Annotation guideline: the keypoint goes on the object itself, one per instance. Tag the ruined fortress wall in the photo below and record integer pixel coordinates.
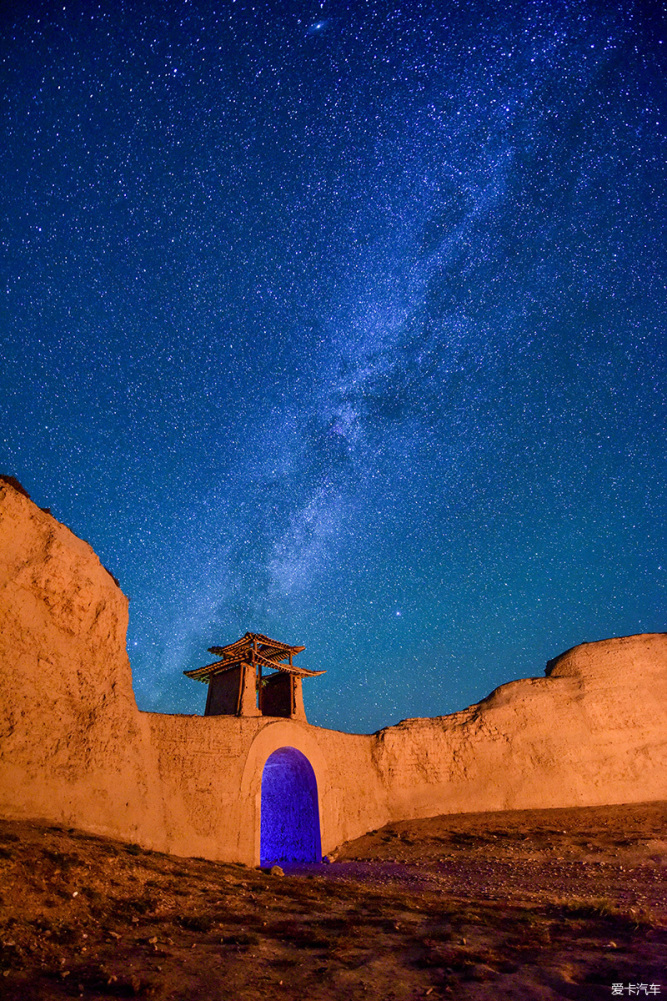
(75, 749)
(73, 746)
(210, 771)
(591, 733)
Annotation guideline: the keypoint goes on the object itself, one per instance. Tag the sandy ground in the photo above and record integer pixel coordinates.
(522, 905)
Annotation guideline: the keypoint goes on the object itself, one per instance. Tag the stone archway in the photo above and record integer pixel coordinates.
(290, 820)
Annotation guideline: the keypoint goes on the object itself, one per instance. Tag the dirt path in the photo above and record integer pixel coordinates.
(617, 852)
(526, 905)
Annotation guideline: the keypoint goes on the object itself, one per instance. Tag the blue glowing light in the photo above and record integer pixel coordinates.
(290, 828)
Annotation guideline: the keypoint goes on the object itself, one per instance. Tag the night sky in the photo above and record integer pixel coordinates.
(344, 323)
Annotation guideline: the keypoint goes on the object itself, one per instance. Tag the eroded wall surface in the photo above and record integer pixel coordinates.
(75, 749)
(593, 732)
(72, 744)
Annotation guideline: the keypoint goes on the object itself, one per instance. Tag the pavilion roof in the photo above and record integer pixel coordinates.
(253, 648)
(272, 649)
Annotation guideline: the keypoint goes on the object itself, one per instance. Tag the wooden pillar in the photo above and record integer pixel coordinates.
(258, 675)
(248, 692)
(298, 708)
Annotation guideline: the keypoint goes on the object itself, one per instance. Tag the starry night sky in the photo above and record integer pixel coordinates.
(343, 322)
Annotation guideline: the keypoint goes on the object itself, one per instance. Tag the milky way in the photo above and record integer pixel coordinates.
(344, 323)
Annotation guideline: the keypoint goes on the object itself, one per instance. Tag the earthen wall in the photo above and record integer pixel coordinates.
(75, 749)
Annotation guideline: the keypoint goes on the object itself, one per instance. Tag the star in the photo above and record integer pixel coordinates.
(344, 321)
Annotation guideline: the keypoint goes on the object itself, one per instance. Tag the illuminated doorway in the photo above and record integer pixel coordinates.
(290, 826)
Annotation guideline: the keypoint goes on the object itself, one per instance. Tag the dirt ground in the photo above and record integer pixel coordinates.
(520, 905)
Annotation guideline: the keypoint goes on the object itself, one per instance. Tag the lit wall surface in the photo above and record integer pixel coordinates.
(290, 830)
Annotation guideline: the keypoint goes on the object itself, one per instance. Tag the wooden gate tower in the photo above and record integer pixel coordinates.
(239, 686)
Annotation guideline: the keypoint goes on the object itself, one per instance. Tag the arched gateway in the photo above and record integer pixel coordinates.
(256, 676)
(290, 818)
